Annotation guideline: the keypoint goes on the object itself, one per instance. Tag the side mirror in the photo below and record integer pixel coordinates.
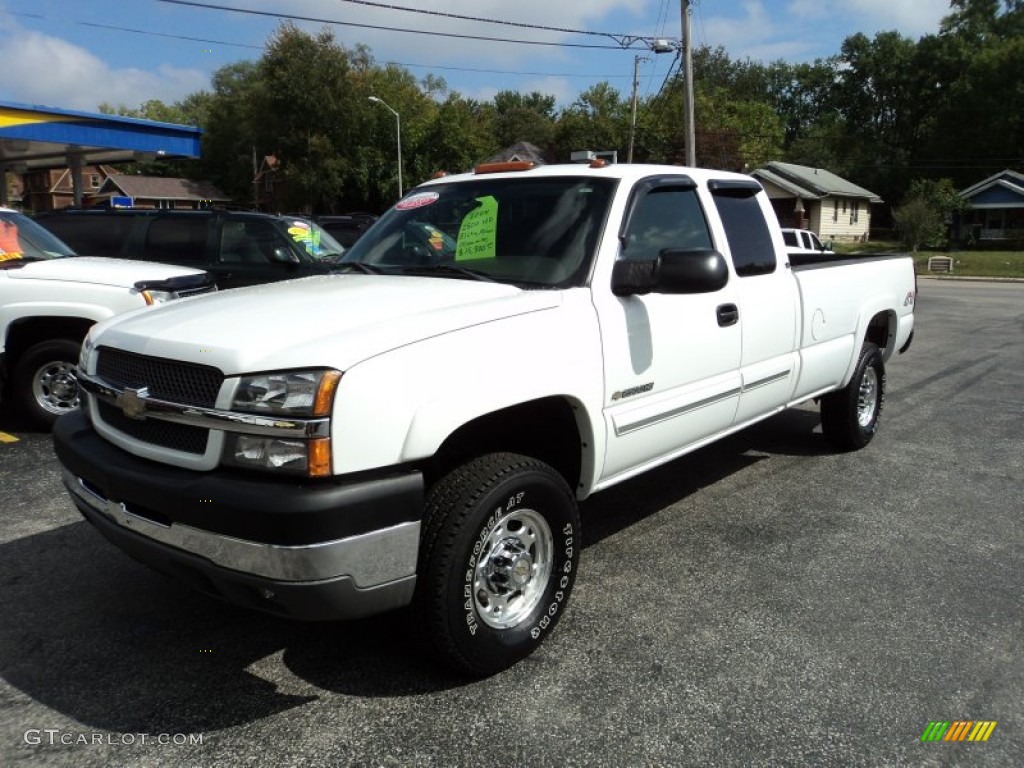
(676, 270)
(284, 256)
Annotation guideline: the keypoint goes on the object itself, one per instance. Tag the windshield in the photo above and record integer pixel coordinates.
(22, 239)
(316, 241)
(539, 231)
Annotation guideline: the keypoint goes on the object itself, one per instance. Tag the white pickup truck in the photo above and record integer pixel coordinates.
(419, 429)
(48, 301)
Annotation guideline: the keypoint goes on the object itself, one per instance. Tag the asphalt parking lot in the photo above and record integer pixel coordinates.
(760, 602)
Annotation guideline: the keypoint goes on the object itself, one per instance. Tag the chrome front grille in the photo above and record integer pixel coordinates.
(170, 380)
(166, 434)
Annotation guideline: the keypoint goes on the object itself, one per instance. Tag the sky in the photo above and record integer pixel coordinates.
(77, 54)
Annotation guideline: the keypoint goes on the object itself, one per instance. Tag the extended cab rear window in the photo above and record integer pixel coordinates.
(750, 241)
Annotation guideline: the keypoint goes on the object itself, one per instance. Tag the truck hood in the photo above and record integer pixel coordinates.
(120, 273)
(323, 321)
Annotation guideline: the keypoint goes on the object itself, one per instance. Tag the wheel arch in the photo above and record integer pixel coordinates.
(550, 429)
(877, 326)
(880, 330)
(26, 332)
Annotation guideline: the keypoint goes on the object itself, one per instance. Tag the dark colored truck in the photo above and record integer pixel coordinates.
(237, 247)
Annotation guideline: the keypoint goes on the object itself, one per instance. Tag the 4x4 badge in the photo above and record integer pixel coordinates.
(132, 402)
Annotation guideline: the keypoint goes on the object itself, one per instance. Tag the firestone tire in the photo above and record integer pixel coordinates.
(43, 382)
(850, 416)
(498, 558)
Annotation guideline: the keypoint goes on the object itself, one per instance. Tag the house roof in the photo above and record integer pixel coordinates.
(811, 183)
(1009, 181)
(521, 150)
(159, 188)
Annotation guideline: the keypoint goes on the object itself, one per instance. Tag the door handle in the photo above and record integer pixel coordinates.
(728, 314)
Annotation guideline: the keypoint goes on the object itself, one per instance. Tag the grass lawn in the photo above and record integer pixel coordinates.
(966, 263)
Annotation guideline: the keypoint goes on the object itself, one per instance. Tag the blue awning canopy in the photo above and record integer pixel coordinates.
(34, 137)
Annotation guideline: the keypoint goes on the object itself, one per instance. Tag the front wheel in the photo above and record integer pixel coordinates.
(849, 416)
(44, 382)
(498, 560)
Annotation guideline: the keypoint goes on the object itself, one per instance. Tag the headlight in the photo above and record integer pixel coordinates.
(157, 297)
(298, 393)
(311, 458)
(288, 395)
(85, 353)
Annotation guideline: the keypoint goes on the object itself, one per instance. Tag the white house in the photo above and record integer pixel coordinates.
(816, 199)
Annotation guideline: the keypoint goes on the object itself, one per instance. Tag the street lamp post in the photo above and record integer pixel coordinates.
(398, 136)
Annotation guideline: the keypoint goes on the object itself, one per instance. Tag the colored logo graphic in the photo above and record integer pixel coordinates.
(958, 730)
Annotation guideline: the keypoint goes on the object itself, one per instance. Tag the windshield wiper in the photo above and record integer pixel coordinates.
(448, 269)
(366, 269)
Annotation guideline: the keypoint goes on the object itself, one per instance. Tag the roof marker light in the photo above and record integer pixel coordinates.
(514, 165)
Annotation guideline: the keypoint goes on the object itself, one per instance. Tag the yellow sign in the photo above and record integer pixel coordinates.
(478, 231)
(12, 116)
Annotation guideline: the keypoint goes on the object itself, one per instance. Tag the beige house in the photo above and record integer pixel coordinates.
(818, 200)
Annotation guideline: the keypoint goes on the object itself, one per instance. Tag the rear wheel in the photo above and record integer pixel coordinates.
(44, 382)
(850, 416)
(498, 560)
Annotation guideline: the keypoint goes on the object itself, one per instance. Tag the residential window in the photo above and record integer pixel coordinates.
(835, 211)
(94, 181)
(854, 211)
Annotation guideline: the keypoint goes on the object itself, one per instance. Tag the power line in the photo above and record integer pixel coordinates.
(210, 41)
(485, 38)
(165, 34)
(523, 25)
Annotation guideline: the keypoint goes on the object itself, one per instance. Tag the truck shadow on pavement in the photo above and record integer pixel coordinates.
(94, 636)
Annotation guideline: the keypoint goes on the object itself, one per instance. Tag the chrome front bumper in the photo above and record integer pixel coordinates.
(369, 559)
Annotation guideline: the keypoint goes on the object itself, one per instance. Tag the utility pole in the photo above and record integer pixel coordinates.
(632, 120)
(659, 45)
(691, 149)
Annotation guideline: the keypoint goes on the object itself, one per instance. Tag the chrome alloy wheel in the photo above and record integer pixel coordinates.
(514, 568)
(867, 398)
(55, 387)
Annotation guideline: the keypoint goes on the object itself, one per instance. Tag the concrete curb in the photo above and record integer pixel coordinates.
(973, 278)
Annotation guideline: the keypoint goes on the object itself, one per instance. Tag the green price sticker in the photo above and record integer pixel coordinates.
(478, 231)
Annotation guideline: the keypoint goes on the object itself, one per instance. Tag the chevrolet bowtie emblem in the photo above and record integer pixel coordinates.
(132, 402)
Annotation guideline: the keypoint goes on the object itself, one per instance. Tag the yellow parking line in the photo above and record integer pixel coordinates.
(5, 438)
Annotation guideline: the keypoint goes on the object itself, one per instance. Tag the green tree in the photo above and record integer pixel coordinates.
(302, 102)
(598, 119)
(457, 137)
(926, 214)
(230, 154)
(917, 222)
(524, 117)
